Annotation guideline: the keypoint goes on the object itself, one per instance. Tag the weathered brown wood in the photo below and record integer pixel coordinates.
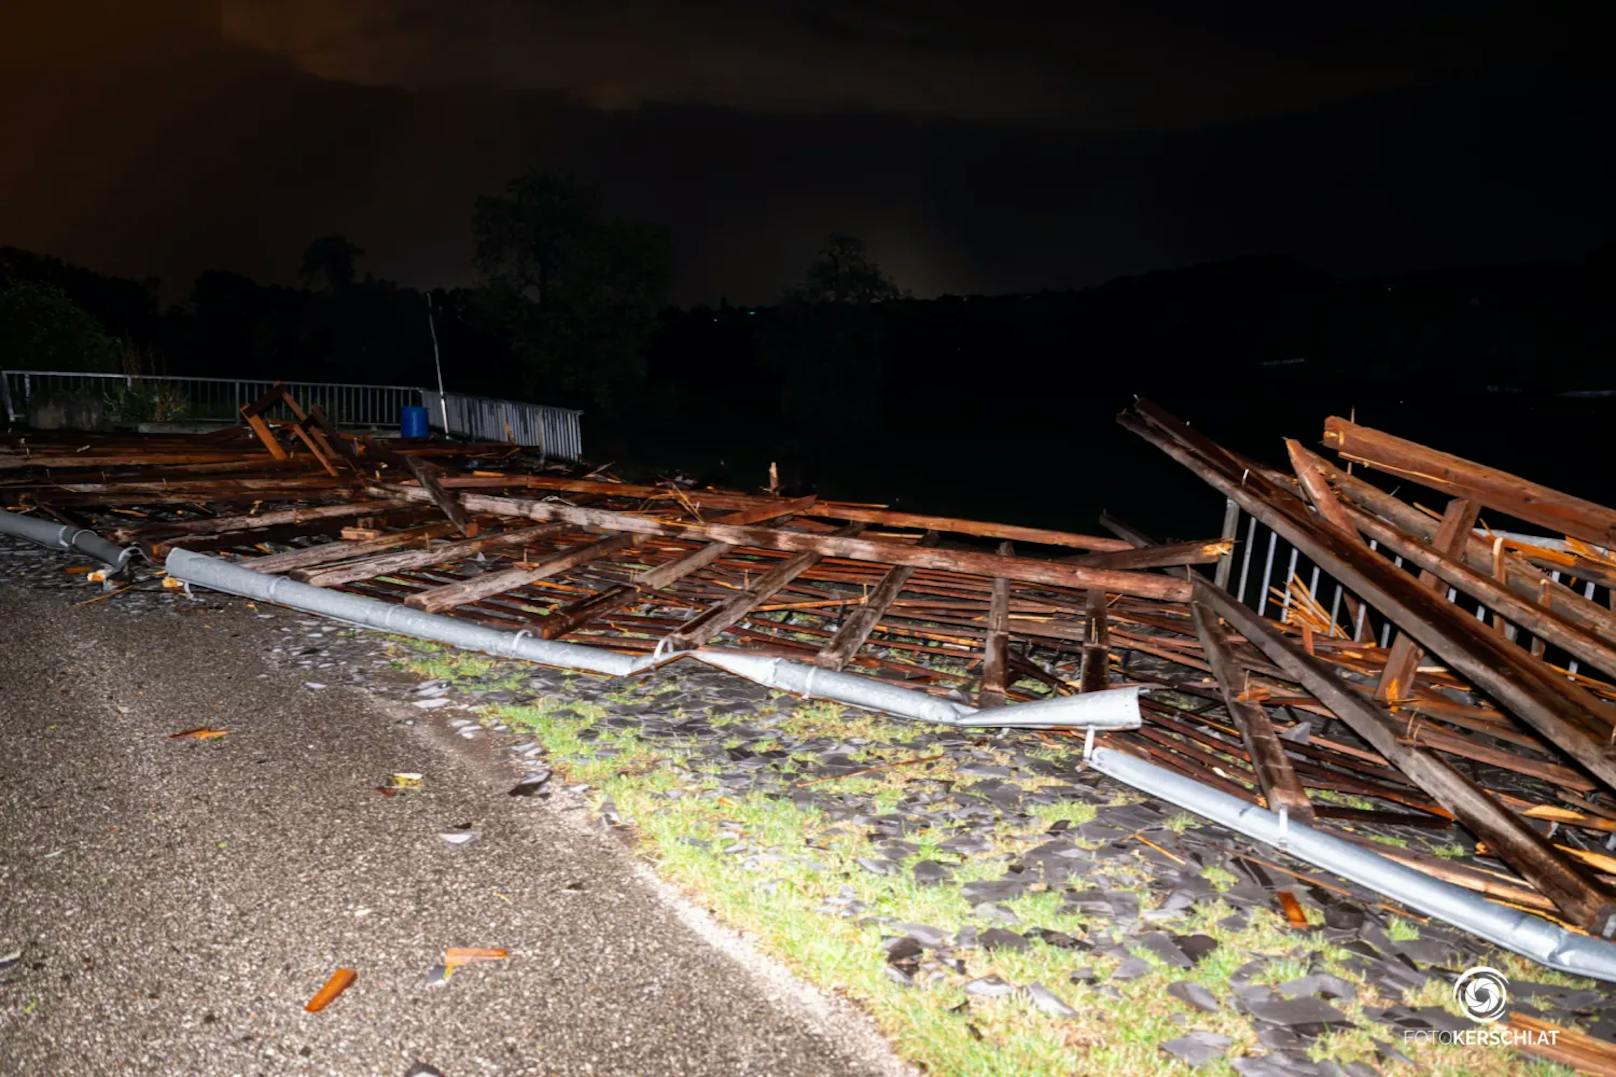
(576, 615)
(1096, 662)
(716, 619)
(1404, 657)
(327, 552)
(1317, 488)
(655, 579)
(861, 620)
(1560, 512)
(1275, 775)
(450, 595)
(1200, 552)
(428, 475)
(968, 562)
(251, 522)
(827, 510)
(996, 647)
(389, 564)
(1582, 898)
(266, 436)
(1564, 713)
(1526, 581)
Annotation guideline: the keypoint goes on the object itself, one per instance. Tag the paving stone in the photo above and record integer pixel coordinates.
(1195, 995)
(989, 987)
(1305, 1016)
(1131, 969)
(1046, 1001)
(1197, 1048)
(997, 938)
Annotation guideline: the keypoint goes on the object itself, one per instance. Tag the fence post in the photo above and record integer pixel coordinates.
(1231, 523)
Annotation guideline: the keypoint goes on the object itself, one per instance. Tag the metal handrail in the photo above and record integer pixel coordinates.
(554, 431)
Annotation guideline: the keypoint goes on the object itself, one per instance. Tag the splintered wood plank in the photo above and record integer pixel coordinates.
(252, 522)
(1561, 513)
(1397, 679)
(995, 649)
(1200, 552)
(858, 625)
(576, 615)
(1583, 899)
(968, 562)
(389, 564)
(1275, 775)
(655, 579)
(451, 595)
(266, 435)
(717, 618)
(428, 475)
(1096, 665)
(327, 552)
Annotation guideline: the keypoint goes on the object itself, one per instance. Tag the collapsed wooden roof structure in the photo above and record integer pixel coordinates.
(1403, 667)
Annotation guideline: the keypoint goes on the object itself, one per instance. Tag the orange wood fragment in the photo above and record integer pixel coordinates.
(1293, 909)
(339, 982)
(455, 956)
(201, 732)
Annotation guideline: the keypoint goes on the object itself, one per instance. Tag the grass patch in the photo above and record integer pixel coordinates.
(787, 874)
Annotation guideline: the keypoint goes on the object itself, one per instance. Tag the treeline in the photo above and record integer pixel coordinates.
(571, 309)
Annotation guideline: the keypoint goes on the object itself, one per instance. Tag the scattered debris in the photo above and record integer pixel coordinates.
(200, 733)
(339, 982)
(1366, 665)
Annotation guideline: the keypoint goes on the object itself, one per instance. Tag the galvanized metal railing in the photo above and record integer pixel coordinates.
(1268, 574)
(555, 432)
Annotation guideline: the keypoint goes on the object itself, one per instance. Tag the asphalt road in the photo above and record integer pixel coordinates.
(176, 902)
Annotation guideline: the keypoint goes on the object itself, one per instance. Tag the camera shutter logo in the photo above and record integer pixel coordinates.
(1482, 993)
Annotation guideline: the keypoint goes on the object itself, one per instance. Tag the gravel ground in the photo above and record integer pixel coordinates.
(175, 902)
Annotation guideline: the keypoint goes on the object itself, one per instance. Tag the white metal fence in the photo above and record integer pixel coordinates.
(1268, 574)
(555, 432)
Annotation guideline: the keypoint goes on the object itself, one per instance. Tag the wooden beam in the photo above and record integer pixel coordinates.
(1561, 513)
(327, 552)
(1567, 715)
(428, 474)
(251, 522)
(996, 647)
(1199, 552)
(1523, 579)
(1582, 898)
(1096, 666)
(1275, 775)
(655, 579)
(827, 510)
(575, 615)
(716, 619)
(709, 623)
(388, 564)
(1404, 657)
(450, 595)
(861, 621)
(968, 562)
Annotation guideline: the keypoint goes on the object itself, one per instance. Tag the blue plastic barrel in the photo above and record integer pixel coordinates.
(412, 422)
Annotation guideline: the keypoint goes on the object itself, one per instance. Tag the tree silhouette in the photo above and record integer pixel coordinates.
(843, 272)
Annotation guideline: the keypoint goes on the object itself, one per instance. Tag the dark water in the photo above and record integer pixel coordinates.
(1060, 462)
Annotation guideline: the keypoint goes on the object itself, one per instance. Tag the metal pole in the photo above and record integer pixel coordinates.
(437, 360)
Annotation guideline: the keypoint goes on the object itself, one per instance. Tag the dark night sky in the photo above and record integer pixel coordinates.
(977, 147)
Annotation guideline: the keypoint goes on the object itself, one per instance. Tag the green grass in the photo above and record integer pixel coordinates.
(793, 861)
